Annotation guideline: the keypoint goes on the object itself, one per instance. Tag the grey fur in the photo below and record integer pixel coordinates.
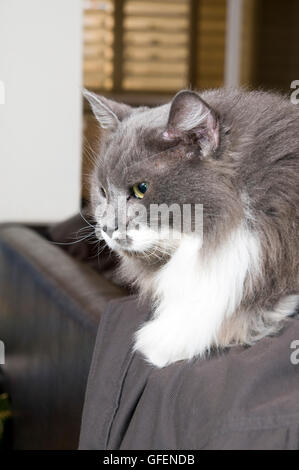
(250, 173)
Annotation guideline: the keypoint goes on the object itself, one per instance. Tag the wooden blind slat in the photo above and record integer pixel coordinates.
(155, 44)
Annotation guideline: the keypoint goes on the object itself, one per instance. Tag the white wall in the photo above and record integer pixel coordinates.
(40, 122)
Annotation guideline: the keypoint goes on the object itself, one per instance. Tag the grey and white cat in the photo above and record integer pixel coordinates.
(237, 153)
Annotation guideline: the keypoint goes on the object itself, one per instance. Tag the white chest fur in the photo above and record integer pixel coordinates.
(194, 294)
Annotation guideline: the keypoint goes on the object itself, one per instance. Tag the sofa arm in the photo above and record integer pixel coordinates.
(50, 306)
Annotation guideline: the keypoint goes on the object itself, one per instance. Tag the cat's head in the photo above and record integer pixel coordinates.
(150, 157)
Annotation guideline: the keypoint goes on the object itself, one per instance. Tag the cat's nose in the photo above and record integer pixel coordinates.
(110, 229)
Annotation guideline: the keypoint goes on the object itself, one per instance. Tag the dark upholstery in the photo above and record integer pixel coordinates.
(50, 306)
(241, 398)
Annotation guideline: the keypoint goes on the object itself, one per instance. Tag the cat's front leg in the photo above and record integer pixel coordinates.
(163, 342)
(195, 295)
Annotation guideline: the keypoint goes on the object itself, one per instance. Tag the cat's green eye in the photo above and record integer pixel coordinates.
(139, 189)
(103, 191)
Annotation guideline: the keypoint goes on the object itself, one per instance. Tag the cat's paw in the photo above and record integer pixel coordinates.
(161, 343)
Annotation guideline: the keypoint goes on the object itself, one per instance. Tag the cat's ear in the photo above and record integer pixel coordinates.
(191, 115)
(108, 113)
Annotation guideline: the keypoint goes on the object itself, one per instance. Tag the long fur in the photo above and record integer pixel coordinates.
(237, 153)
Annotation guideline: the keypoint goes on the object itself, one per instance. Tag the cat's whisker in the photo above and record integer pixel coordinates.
(90, 151)
(88, 223)
(72, 243)
(85, 228)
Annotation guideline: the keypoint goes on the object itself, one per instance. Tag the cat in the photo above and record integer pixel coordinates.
(236, 152)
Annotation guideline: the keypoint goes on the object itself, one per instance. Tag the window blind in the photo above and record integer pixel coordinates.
(98, 39)
(137, 44)
(156, 44)
(211, 43)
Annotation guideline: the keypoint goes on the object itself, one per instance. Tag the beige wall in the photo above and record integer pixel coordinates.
(40, 122)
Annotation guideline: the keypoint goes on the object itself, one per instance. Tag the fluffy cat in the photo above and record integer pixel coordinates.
(236, 153)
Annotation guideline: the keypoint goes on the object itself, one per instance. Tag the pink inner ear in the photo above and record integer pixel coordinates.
(214, 129)
(216, 137)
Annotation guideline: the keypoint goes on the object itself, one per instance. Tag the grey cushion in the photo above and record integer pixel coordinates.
(244, 398)
(50, 306)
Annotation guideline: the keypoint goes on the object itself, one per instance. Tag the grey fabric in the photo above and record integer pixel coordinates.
(50, 306)
(244, 398)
